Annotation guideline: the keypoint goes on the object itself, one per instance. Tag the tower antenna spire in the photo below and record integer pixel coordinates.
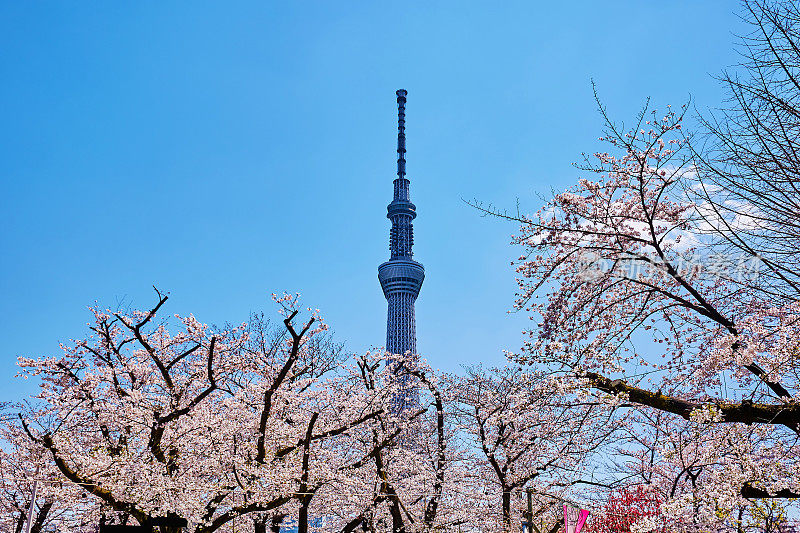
(401, 133)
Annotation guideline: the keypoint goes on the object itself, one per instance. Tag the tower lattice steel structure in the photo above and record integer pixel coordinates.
(401, 277)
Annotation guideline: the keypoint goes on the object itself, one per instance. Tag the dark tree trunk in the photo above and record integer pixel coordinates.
(308, 492)
(506, 509)
(260, 523)
(44, 510)
(397, 518)
(20, 522)
(302, 516)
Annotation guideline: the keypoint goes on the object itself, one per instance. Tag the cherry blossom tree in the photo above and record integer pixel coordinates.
(624, 254)
(59, 505)
(410, 477)
(667, 278)
(529, 432)
(694, 476)
(203, 425)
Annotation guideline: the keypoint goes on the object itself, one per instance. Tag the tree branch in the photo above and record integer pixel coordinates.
(745, 411)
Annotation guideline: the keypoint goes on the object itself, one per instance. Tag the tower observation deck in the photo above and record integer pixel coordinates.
(401, 277)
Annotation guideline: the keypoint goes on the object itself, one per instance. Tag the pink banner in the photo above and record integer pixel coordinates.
(574, 519)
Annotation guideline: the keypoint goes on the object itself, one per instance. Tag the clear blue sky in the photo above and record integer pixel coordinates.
(227, 150)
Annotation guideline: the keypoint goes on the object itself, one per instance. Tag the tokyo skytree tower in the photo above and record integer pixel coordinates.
(401, 277)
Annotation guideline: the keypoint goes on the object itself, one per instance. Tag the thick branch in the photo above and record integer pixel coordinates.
(241, 510)
(749, 491)
(212, 386)
(441, 457)
(85, 483)
(160, 422)
(261, 451)
(137, 332)
(745, 412)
